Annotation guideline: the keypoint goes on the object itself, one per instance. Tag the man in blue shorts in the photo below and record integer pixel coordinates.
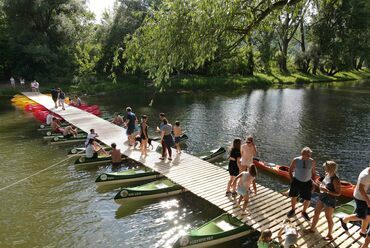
(130, 125)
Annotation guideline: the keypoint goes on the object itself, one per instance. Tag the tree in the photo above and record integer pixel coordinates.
(184, 35)
(43, 35)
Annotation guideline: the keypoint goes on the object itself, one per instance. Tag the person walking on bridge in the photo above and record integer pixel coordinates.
(302, 171)
(54, 95)
(130, 125)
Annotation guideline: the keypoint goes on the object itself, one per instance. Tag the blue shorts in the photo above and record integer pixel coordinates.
(177, 140)
(242, 191)
(362, 210)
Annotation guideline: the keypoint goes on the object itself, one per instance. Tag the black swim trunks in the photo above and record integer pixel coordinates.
(302, 189)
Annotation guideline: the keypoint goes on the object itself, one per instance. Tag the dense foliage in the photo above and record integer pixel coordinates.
(59, 40)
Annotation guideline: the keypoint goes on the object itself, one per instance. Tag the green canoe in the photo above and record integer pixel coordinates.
(219, 230)
(77, 151)
(58, 136)
(140, 173)
(213, 155)
(60, 140)
(44, 127)
(156, 189)
(345, 209)
(101, 159)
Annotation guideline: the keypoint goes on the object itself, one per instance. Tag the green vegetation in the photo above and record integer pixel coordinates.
(194, 44)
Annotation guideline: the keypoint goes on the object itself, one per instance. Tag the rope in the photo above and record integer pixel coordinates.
(35, 174)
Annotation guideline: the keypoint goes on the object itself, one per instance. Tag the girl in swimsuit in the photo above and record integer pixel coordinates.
(144, 135)
(248, 150)
(244, 181)
(234, 164)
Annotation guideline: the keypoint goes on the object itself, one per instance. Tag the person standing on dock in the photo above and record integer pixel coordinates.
(144, 135)
(248, 151)
(61, 97)
(177, 131)
(130, 125)
(362, 199)
(54, 95)
(234, 165)
(302, 171)
(330, 188)
(12, 82)
(159, 129)
(167, 138)
(22, 83)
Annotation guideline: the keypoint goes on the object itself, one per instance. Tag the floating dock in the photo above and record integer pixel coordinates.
(267, 209)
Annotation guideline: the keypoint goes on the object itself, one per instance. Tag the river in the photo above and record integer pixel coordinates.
(61, 207)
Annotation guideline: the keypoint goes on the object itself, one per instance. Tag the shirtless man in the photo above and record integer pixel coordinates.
(116, 155)
(70, 131)
(117, 120)
(55, 126)
(248, 151)
(177, 131)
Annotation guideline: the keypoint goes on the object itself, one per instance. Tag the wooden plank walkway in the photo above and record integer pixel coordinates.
(267, 209)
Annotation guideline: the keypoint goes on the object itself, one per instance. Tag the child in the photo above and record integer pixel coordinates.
(291, 235)
(144, 135)
(265, 240)
(234, 164)
(246, 178)
(177, 132)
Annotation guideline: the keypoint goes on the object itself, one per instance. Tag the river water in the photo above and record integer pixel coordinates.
(62, 207)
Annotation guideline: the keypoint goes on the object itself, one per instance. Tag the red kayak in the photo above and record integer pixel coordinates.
(282, 171)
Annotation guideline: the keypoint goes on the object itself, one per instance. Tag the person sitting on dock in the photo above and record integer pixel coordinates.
(70, 131)
(291, 234)
(246, 179)
(265, 240)
(117, 120)
(330, 188)
(76, 102)
(362, 199)
(302, 170)
(130, 125)
(248, 151)
(234, 164)
(55, 126)
(116, 155)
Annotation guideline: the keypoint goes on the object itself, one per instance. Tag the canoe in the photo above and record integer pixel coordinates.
(282, 171)
(46, 128)
(213, 155)
(219, 230)
(137, 174)
(101, 159)
(345, 209)
(152, 190)
(60, 140)
(58, 136)
(77, 151)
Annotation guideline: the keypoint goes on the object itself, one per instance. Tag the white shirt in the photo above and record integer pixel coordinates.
(36, 85)
(363, 178)
(89, 153)
(49, 119)
(89, 137)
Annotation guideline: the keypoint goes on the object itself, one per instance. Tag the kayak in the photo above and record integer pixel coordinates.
(345, 209)
(137, 174)
(213, 155)
(156, 189)
(219, 230)
(282, 171)
(58, 136)
(101, 159)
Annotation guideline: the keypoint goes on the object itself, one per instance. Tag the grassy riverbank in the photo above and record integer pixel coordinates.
(194, 82)
(260, 80)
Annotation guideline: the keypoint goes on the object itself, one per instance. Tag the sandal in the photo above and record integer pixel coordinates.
(169, 158)
(228, 193)
(328, 238)
(161, 158)
(234, 194)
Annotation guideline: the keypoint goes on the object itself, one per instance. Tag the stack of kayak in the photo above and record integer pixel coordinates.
(282, 171)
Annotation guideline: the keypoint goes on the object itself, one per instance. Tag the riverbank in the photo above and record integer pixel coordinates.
(195, 82)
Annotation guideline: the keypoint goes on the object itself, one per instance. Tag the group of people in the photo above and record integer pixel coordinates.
(304, 180)
(34, 84)
(135, 131)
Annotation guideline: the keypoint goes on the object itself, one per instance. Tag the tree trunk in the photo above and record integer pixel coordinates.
(303, 42)
(360, 63)
(284, 56)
